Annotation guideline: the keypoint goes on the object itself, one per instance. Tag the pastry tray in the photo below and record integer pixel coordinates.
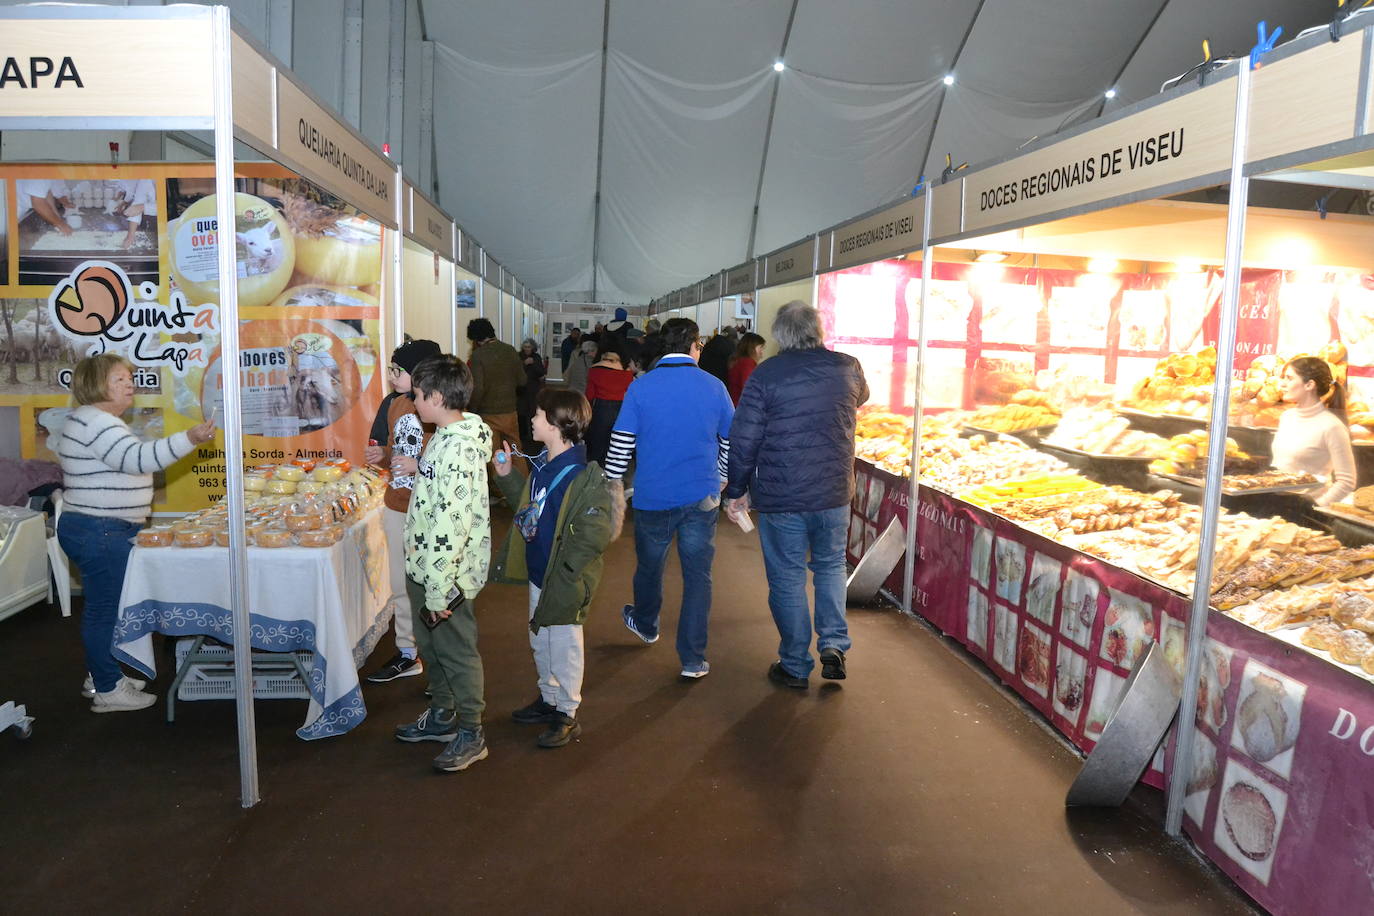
(1352, 518)
(1196, 421)
(1095, 456)
(1034, 431)
(1251, 491)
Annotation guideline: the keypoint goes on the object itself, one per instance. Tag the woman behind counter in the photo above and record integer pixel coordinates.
(107, 492)
(1312, 435)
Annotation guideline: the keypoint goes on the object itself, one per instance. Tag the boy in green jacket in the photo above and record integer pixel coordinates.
(562, 525)
(448, 550)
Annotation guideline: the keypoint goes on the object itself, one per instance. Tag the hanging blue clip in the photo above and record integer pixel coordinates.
(1264, 45)
(920, 186)
(1321, 203)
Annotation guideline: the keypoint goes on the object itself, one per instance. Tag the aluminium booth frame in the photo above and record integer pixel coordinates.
(201, 65)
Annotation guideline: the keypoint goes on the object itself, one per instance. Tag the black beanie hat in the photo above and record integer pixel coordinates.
(409, 354)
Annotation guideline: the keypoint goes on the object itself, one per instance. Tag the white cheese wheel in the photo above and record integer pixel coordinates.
(266, 251)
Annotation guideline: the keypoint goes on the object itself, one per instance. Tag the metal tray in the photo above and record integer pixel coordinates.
(1253, 491)
(1033, 432)
(1095, 456)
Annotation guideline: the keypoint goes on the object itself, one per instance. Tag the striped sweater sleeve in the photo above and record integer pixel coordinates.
(723, 457)
(619, 454)
(107, 439)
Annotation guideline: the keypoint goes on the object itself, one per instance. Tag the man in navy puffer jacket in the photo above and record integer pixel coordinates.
(792, 458)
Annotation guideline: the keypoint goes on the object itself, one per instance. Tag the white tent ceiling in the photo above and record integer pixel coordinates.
(694, 127)
(634, 146)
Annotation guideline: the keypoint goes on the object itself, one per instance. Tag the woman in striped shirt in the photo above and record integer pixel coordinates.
(107, 482)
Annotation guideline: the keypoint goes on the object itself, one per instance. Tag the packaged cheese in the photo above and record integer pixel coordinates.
(194, 537)
(155, 537)
(273, 537)
(289, 472)
(281, 487)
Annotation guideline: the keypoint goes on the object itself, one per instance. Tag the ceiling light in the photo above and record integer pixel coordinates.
(1101, 265)
(779, 66)
(991, 257)
(1110, 93)
(949, 79)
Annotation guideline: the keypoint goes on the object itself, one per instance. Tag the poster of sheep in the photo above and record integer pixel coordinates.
(34, 355)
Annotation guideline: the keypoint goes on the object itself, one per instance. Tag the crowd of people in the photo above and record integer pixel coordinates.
(774, 436)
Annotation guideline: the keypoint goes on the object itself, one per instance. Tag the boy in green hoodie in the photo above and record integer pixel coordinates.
(448, 550)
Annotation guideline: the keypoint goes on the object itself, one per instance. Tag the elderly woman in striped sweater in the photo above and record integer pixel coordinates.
(107, 481)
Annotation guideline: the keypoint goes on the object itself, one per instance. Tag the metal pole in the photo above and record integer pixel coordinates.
(1216, 457)
(353, 62)
(398, 311)
(914, 482)
(225, 215)
(396, 78)
(453, 295)
(425, 155)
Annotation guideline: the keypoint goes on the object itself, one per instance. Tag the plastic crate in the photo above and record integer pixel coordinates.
(274, 676)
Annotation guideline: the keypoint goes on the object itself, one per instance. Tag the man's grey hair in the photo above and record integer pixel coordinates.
(797, 327)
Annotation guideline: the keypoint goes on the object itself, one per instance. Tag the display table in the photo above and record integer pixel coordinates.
(1280, 795)
(331, 601)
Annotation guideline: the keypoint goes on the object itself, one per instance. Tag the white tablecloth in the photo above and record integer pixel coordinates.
(331, 601)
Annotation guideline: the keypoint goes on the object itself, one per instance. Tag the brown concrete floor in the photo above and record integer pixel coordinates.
(914, 787)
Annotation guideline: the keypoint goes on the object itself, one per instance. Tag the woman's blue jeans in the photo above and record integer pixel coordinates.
(100, 549)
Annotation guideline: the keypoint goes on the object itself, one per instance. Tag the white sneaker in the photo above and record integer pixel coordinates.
(122, 699)
(88, 687)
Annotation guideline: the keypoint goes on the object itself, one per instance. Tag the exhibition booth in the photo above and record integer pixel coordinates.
(272, 527)
(1082, 421)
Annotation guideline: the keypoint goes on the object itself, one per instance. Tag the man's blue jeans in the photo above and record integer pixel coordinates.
(788, 538)
(100, 549)
(696, 549)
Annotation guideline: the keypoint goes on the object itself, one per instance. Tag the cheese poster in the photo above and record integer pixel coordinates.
(124, 259)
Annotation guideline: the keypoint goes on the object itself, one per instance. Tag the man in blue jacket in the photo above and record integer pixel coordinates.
(675, 422)
(792, 458)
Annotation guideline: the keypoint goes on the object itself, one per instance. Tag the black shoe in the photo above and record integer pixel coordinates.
(562, 729)
(466, 748)
(400, 666)
(433, 725)
(832, 664)
(779, 675)
(535, 713)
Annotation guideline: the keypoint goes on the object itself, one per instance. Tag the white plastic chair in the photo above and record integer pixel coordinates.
(58, 564)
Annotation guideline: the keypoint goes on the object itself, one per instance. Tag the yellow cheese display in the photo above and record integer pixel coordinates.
(265, 246)
(340, 252)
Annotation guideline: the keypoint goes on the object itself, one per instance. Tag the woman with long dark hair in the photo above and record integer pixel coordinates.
(747, 357)
(1312, 435)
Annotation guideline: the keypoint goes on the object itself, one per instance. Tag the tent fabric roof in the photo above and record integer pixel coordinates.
(623, 147)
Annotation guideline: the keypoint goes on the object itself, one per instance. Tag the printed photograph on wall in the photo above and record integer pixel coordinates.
(466, 294)
(63, 222)
(5, 278)
(33, 353)
(978, 619)
(1249, 819)
(1203, 778)
(1079, 607)
(1268, 717)
(1070, 683)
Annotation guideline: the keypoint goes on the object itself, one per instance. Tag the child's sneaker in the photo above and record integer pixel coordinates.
(124, 698)
(88, 686)
(468, 747)
(400, 666)
(434, 724)
(562, 729)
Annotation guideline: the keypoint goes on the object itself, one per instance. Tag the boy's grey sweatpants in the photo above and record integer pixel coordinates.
(559, 659)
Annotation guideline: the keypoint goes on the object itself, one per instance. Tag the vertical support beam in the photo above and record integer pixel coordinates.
(281, 22)
(397, 263)
(425, 154)
(249, 793)
(768, 133)
(1216, 458)
(918, 401)
(396, 78)
(600, 141)
(353, 62)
